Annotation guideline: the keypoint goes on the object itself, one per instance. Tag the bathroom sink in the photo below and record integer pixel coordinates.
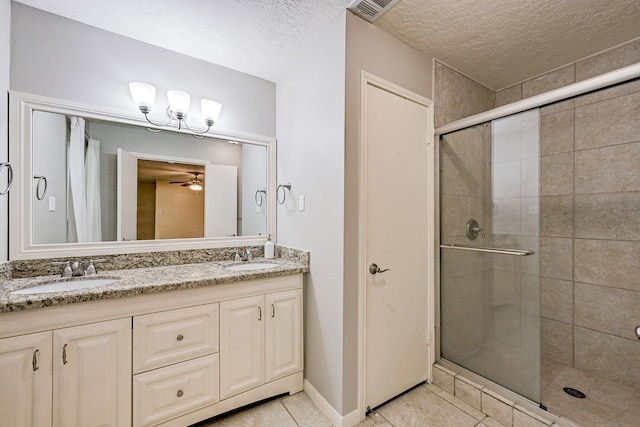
(252, 266)
(62, 286)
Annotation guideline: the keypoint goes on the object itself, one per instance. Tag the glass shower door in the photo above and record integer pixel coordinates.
(489, 278)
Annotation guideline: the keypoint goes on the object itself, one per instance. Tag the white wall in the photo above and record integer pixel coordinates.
(5, 25)
(50, 161)
(61, 58)
(310, 131)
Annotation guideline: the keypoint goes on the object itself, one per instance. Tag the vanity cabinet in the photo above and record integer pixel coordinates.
(166, 359)
(92, 375)
(87, 367)
(260, 340)
(25, 369)
(175, 359)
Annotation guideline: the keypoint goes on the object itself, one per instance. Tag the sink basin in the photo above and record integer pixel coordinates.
(252, 266)
(62, 286)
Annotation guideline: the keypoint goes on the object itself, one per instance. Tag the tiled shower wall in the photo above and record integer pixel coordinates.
(589, 228)
(589, 223)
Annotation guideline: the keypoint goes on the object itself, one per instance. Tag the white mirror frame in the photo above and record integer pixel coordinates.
(21, 107)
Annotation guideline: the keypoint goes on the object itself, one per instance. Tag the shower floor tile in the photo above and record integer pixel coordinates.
(607, 403)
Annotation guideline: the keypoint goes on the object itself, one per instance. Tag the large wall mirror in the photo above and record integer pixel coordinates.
(96, 182)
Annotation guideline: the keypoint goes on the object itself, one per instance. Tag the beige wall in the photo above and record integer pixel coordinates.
(179, 212)
(373, 50)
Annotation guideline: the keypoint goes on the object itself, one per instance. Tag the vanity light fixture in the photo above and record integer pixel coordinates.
(144, 96)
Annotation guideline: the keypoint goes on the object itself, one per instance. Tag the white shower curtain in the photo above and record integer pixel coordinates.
(92, 181)
(77, 199)
(84, 185)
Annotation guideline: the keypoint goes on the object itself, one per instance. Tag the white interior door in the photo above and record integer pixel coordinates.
(220, 200)
(396, 169)
(127, 196)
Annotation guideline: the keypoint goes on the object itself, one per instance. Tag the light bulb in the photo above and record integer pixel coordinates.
(143, 94)
(210, 111)
(179, 103)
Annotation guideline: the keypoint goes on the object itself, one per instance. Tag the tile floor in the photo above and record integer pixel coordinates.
(607, 403)
(424, 406)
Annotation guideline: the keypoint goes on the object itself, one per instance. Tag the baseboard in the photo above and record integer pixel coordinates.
(350, 420)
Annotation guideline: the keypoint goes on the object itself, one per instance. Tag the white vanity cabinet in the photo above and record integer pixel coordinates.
(260, 340)
(87, 367)
(175, 359)
(25, 377)
(167, 359)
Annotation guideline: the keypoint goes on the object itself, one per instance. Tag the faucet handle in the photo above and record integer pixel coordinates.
(91, 268)
(66, 270)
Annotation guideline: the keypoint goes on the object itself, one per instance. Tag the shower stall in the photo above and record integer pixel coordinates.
(539, 242)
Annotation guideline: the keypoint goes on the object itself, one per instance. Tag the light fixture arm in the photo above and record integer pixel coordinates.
(146, 116)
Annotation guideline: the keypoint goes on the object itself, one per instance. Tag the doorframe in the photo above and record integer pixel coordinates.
(365, 80)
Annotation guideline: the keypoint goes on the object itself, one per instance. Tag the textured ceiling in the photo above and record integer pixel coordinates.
(497, 42)
(502, 42)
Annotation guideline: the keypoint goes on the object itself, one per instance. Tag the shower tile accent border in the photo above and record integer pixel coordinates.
(19, 269)
(499, 409)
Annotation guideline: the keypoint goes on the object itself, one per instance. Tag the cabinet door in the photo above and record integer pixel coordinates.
(241, 345)
(92, 375)
(25, 373)
(283, 334)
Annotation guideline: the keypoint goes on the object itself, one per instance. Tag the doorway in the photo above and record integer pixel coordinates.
(396, 206)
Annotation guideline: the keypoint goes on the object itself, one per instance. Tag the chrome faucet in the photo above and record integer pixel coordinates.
(76, 269)
(247, 256)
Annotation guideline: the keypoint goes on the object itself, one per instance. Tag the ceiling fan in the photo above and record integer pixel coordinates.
(194, 184)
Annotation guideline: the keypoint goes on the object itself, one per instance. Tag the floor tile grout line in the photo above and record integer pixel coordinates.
(288, 412)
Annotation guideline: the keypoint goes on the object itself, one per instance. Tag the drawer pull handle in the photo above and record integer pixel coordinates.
(180, 393)
(180, 337)
(259, 313)
(64, 354)
(34, 362)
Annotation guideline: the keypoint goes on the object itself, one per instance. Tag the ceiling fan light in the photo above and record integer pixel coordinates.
(210, 110)
(179, 102)
(196, 186)
(143, 95)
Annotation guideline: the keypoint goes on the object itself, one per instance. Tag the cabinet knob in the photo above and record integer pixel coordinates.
(180, 393)
(180, 337)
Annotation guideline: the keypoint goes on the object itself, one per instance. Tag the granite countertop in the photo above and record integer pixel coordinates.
(140, 281)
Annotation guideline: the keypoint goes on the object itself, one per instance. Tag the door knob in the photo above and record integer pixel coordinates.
(373, 269)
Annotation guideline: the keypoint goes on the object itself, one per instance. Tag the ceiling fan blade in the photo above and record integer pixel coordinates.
(178, 182)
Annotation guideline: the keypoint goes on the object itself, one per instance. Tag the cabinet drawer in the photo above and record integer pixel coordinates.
(166, 393)
(168, 337)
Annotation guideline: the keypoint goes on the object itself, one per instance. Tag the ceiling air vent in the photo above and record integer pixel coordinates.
(370, 10)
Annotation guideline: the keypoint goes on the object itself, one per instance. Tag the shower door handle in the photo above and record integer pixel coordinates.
(374, 269)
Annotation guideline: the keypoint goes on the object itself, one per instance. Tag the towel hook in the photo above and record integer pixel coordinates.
(9, 177)
(259, 197)
(39, 191)
(284, 187)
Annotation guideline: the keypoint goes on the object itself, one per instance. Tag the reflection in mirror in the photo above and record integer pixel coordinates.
(110, 182)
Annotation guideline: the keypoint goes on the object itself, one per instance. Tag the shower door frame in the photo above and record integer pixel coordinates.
(599, 82)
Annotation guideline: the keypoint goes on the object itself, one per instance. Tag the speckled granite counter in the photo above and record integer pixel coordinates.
(140, 281)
